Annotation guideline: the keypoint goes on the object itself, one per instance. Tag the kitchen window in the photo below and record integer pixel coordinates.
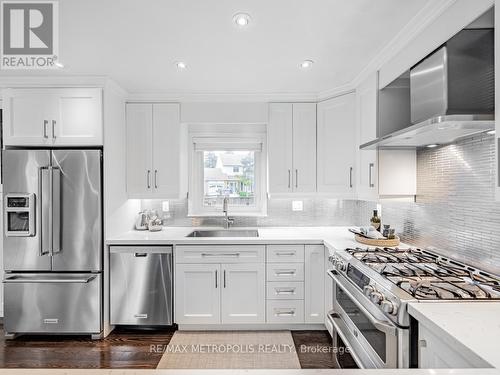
(227, 166)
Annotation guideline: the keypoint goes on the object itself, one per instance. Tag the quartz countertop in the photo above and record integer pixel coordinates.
(332, 237)
(475, 325)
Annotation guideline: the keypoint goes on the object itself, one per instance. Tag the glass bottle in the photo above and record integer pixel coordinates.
(375, 220)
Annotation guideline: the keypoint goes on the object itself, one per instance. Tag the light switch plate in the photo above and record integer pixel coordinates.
(165, 206)
(297, 206)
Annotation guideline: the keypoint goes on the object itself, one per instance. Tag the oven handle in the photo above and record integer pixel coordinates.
(381, 326)
(333, 317)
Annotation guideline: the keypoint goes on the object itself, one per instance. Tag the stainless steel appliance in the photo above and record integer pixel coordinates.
(141, 280)
(371, 291)
(53, 241)
(452, 93)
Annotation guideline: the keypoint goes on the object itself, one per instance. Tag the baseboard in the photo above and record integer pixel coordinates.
(251, 327)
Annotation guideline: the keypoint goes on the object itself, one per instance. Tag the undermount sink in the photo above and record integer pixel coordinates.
(224, 233)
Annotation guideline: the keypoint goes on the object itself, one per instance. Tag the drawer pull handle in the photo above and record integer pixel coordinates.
(285, 273)
(141, 316)
(140, 255)
(220, 254)
(51, 321)
(290, 254)
(285, 291)
(285, 312)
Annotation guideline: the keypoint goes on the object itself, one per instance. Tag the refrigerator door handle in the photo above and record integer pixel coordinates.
(51, 212)
(56, 210)
(20, 279)
(44, 194)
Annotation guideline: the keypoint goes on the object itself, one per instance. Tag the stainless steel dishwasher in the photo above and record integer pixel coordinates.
(141, 285)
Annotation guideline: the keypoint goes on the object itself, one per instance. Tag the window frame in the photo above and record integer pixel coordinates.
(221, 139)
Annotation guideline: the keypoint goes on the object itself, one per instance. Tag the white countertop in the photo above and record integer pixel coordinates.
(332, 237)
(475, 325)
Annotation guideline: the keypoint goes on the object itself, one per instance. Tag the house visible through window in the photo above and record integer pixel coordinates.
(229, 174)
(227, 166)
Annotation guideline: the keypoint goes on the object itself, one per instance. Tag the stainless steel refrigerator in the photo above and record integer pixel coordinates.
(53, 242)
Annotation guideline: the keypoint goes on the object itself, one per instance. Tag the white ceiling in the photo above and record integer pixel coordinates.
(137, 42)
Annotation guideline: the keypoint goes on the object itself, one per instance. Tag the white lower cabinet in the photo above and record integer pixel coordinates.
(243, 293)
(220, 293)
(197, 294)
(315, 284)
(233, 284)
(435, 352)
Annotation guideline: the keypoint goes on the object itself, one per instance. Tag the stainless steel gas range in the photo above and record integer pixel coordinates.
(372, 288)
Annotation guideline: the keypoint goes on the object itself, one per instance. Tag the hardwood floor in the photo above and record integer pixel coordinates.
(125, 349)
(314, 349)
(121, 349)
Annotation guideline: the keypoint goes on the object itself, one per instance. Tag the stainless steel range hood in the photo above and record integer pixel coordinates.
(452, 94)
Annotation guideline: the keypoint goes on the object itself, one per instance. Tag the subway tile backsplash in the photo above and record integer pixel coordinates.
(455, 209)
(316, 212)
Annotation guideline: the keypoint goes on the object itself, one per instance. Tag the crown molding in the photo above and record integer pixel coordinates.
(222, 97)
(53, 81)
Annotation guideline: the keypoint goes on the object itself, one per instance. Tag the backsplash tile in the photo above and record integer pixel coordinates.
(316, 212)
(455, 209)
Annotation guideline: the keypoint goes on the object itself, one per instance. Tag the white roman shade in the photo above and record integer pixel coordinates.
(227, 144)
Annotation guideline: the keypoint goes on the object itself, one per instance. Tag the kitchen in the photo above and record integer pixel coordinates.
(198, 214)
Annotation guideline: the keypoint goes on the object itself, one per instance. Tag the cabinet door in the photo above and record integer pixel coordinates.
(197, 294)
(314, 284)
(337, 145)
(139, 154)
(279, 138)
(366, 110)
(304, 148)
(77, 118)
(436, 352)
(166, 150)
(243, 293)
(27, 117)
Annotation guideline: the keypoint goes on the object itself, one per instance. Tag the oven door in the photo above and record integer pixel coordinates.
(374, 341)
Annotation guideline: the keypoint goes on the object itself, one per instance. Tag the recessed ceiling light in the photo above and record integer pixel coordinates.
(180, 65)
(59, 64)
(432, 146)
(241, 19)
(491, 132)
(306, 64)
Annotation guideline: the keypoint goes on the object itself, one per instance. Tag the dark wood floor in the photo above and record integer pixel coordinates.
(125, 349)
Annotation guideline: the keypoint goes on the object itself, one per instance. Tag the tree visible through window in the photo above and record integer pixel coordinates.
(229, 174)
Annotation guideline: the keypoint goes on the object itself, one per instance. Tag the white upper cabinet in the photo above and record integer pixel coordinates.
(304, 147)
(292, 148)
(337, 146)
(279, 140)
(139, 154)
(154, 150)
(366, 117)
(53, 117)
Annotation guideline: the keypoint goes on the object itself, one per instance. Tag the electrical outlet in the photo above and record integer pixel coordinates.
(165, 206)
(297, 206)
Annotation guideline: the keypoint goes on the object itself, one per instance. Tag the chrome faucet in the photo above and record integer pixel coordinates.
(227, 220)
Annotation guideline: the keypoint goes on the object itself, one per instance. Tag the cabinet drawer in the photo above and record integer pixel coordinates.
(220, 254)
(34, 303)
(287, 290)
(285, 272)
(285, 253)
(289, 311)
